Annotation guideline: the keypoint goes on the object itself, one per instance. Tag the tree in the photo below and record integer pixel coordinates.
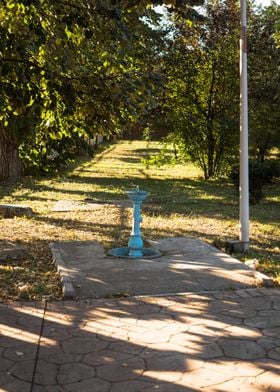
(202, 103)
(264, 81)
(69, 68)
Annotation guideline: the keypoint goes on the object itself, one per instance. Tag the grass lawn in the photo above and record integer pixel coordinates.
(181, 203)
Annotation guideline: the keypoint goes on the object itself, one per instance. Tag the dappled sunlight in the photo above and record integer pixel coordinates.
(176, 342)
(180, 203)
(21, 335)
(214, 341)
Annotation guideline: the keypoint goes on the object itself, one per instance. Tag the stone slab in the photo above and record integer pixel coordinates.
(70, 205)
(11, 210)
(87, 205)
(9, 250)
(186, 265)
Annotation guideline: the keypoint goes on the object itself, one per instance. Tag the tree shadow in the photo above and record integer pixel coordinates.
(217, 342)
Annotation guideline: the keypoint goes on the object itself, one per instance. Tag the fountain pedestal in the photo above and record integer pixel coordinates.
(135, 248)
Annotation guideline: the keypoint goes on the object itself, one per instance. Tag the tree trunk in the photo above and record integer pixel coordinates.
(10, 167)
(210, 152)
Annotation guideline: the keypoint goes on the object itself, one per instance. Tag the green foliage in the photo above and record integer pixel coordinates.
(264, 81)
(71, 69)
(201, 106)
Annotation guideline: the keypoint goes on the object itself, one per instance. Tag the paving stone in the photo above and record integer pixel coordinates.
(208, 351)
(243, 294)
(163, 376)
(83, 346)
(204, 378)
(59, 357)
(240, 313)
(20, 353)
(5, 364)
(22, 370)
(133, 386)
(228, 320)
(17, 386)
(263, 322)
(147, 309)
(5, 378)
(242, 349)
(9, 341)
(276, 304)
(269, 292)
(274, 353)
(234, 368)
(74, 372)
(197, 347)
(121, 371)
(256, 303)
(273, 332)
(173, 362)
(89, 385)
(106, 357)
(169, 387)
(158, 321)
(46, 373)
(268, 342)
(254, 292)
(125, 347)
(158, 349)
(148, 337)
(269, 364)
(47, 388)
(204, 334)
(57, 333)
(270, 313)
(242, 332)
(237, 384)
(268, 381)
(174, 328)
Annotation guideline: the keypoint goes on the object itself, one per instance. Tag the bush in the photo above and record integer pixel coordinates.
(260, 173)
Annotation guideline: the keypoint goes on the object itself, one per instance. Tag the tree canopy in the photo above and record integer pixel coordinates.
(75, 68)
(200, 109)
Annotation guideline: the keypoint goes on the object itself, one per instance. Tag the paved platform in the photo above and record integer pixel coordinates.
(225, 341)
(186, 265)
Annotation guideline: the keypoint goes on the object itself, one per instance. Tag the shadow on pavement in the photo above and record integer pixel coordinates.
(218, 342)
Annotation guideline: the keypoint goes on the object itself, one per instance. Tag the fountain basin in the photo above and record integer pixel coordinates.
(125, 253)
(137, 195)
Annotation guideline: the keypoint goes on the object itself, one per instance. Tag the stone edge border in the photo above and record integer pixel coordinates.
(264, 280)
(68, 290)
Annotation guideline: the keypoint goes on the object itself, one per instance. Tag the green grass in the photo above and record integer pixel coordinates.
(181, 202)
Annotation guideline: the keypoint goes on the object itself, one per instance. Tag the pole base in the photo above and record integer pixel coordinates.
(237, 246)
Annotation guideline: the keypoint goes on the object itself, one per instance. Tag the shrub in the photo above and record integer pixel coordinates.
(260, 173)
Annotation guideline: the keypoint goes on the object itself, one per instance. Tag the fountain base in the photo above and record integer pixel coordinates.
(125, 253)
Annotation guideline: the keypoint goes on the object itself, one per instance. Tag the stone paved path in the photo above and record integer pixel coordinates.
(223, 341)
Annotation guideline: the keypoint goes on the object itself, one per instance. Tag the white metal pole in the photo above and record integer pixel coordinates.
(244, 161)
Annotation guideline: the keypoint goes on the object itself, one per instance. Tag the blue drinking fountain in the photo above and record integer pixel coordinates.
(135, 248)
